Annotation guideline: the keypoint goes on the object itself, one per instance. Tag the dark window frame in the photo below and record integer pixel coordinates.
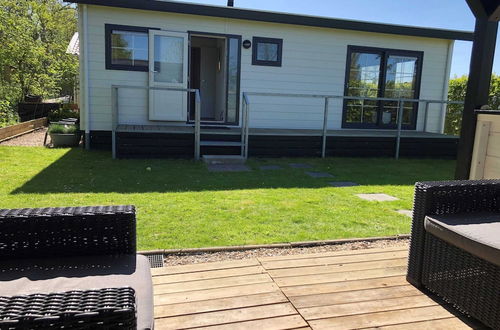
(385, 53)
(255, 43)
(109, 28)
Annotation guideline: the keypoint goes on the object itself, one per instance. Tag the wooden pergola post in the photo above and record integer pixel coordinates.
(487, 13)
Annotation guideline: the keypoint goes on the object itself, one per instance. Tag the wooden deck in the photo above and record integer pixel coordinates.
(337, 290)
(277, 132)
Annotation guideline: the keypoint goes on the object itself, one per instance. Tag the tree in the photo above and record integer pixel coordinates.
(457, 91)
(34, 35)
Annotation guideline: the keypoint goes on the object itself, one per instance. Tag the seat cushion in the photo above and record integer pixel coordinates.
(30, 276)
(476, 233)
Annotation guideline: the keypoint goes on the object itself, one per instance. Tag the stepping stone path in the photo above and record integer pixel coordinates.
(270, 167)
(299, 165)
(408, 213)
(319, 175)
(343, 184)
(377, 197)
(228, 168)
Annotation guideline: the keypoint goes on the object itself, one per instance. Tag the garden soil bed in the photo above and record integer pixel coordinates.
(195, 258)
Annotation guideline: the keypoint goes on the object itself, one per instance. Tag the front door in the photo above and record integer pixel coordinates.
(168, 67)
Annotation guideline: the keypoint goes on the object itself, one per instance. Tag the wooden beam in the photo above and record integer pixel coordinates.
(477, 8)
(483, 52)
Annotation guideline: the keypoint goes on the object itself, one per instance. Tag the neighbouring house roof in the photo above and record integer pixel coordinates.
(74, 45)
(277, 17)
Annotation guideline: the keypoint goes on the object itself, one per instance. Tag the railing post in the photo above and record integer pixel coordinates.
(325, 129)
(114, 119)
(247, 129)
(243, 127)
(197, 119)
(400, 125)
(426, 115)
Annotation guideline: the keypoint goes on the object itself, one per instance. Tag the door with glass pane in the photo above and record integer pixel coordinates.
(375, 72)
(168, 66)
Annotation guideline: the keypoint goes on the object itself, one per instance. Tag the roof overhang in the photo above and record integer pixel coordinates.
(284, 18)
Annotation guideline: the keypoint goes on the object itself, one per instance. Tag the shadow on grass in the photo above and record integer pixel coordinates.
(80, 171)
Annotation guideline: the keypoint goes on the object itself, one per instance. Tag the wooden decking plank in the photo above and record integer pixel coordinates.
(340, 277)
(363, 307)
(321, 288)
(235, 291)
(345, 297)
(211, 274)
(220, 304)
(205, 267)
(316, 270)
(332, 254)
(291, 322)
(380, 319)
(224, 317)
(451, 323)
(268, 265)
(211, 283)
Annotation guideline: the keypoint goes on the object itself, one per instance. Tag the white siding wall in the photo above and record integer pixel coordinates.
(314, 61)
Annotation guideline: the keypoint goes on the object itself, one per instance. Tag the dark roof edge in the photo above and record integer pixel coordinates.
(285, 18)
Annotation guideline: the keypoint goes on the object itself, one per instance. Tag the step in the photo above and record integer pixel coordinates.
(223, 159)
(220, 144)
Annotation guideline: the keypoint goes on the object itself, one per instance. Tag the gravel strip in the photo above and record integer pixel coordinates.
(186, 259)
(33, 139)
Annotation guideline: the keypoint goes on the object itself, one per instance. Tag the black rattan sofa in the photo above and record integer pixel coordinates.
(455, 245)
(73, 268)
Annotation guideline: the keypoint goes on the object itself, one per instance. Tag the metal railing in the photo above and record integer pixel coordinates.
(399, 116)
(115, 113)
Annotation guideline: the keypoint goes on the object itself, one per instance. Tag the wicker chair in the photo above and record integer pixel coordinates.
(73, 268)
(455, 245)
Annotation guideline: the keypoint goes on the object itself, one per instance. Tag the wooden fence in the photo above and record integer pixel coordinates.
(22, 128)
(486, 156)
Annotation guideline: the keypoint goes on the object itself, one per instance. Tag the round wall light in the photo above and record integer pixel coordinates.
(247, 44)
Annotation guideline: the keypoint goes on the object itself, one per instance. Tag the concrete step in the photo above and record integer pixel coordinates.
(220, 144)
(223, 159)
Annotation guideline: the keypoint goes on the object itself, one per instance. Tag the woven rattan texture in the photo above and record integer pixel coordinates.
(67, 232)
(468, 282)
(103, 309)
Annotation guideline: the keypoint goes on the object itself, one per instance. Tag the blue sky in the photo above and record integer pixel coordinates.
(445, 14)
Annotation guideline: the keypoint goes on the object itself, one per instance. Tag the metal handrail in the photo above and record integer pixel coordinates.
(327, 97)
(115, 112)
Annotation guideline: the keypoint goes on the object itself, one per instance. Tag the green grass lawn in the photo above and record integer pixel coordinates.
(180, 204)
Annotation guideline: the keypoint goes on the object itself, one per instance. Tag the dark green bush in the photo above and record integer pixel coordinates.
(63, 112)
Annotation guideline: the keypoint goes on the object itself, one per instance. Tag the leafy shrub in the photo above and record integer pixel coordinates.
(8, 115)
(63, 129)
(457, 91)
(65, 111)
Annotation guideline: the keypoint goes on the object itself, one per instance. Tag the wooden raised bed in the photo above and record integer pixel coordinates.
(22, 128)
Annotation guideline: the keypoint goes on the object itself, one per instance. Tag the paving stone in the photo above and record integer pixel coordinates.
(341, 184)
(299, 165)
(377, 197)
(270, 167)
(228, 168)
(319, 175)
(408, 213)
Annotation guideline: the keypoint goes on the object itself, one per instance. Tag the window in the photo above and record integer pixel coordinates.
(267, 51)
(375, 72)
(127, 48)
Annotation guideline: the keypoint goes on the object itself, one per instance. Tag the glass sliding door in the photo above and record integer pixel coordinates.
(233, 79)
(374, 72)
(400, 82)
(364, 78)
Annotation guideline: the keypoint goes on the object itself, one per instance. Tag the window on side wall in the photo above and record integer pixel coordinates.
(267, 51)
(127, 48)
